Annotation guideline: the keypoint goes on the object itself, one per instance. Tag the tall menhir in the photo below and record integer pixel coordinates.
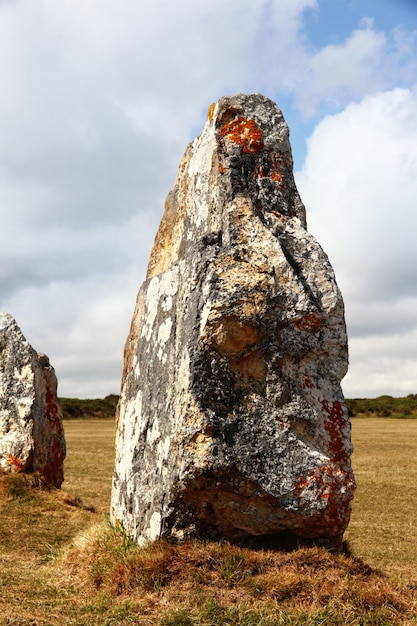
(232, 422)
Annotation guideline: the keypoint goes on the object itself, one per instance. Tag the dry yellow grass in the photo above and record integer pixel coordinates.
(383, 527)
(212, 583)
(36, 525)
(62, 563)
(90, 461)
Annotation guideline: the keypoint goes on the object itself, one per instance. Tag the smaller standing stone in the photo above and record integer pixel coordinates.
(31, 431)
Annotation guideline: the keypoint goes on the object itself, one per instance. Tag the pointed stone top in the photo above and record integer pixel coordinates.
(255, 124)
(11, 331)
(243, 153)
(5, 319)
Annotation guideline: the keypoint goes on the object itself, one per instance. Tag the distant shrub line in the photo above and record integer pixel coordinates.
(100, 408)
(384, 406)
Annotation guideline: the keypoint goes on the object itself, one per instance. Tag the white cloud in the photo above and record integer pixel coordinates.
(368, 61)
(360, 186)
(383, 365)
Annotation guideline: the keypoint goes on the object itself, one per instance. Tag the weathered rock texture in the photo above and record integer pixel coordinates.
(232, 423)
(31, 432)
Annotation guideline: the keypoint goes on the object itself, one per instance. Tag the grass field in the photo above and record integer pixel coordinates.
(62, 563)
(383, 527)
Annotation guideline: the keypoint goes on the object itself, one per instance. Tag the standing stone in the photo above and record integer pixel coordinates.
(31, 432)
(231, 421)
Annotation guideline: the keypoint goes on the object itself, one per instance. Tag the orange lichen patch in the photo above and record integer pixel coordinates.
(327, 482)
(310, 323)
(337, 511)
(279, 216)
(52, 471)
(277, 176)
(210, 112)
(244, 132)
(307, 383)
(299, 486)
(52, 412)
(222, 168)
(277, 165)
(316, 480)
(259, 172)
(334, 423)
(13, 463)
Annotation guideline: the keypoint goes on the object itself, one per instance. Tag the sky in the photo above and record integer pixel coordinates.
(98, 101)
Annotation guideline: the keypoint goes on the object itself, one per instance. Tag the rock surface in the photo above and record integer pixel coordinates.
(232, 422)
(31, 432)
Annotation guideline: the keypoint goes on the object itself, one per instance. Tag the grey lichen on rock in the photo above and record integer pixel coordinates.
(31, 431)
(231, 420)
